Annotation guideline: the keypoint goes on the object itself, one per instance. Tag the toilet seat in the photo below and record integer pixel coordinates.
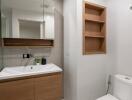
(107, 97)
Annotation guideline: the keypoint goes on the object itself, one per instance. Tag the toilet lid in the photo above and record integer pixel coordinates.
(108, 97)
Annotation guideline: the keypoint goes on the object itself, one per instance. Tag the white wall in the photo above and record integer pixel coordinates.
(120, 16)
(91, 68)
(118, 58)
(70, 55)
(85, 76)
(124, 39)
(111, 36)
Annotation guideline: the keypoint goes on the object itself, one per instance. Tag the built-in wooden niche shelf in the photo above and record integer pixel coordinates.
(15, 42)
(94, 29)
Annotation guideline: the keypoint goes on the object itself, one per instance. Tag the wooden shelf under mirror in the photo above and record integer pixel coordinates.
(94, 29)
(14, 42)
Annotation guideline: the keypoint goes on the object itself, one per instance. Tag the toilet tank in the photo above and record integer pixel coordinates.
(122, 87)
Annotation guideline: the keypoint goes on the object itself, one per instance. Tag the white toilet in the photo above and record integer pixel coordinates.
(122, 89)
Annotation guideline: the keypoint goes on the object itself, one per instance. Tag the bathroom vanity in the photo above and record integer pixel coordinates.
(42, 82)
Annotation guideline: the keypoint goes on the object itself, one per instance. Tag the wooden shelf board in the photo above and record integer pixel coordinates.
(94, 34)
(93, 17)
(14, 42)
(28, 46)
(94, 20)
(93, 6)
(95, 52)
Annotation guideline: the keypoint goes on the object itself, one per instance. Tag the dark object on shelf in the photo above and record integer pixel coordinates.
(44, 61)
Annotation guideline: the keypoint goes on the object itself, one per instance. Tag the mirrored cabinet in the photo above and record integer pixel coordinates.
(28, 22)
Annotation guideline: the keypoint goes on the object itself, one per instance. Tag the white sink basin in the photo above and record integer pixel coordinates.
(32, 68)
(20, 71)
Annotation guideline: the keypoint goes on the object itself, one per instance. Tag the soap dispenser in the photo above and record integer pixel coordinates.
(44, 61)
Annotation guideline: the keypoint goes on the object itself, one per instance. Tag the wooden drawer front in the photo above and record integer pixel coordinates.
(48, 87)
(17, 90)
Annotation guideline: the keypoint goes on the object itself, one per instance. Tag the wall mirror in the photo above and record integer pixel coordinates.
(28, 19)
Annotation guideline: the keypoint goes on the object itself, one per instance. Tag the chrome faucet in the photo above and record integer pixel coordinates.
(1, 68)
(29, 59)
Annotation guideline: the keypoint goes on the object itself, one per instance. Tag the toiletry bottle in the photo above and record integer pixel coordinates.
(44, 61)
(37, 61)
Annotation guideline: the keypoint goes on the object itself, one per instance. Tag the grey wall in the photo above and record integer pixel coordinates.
(13, 56)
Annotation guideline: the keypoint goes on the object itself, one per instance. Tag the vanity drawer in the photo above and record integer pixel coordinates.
(49, 87)
(17, 90)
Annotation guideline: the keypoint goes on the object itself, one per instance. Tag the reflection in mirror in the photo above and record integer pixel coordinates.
(29, 29)
(28, 19)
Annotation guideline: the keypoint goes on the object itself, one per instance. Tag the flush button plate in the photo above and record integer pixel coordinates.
(130, 7)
